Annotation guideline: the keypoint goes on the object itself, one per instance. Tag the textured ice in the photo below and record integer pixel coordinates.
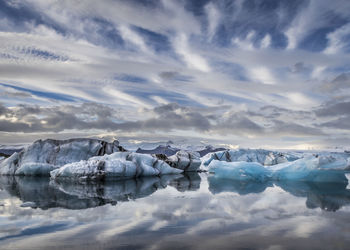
(187, 161)
(117, 165)
(264, 157)
(166, 150)
(244, 171)
(310, 168)
(41, 157)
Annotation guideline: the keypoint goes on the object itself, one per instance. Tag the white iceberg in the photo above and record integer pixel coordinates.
(41, 157)
(118, 165)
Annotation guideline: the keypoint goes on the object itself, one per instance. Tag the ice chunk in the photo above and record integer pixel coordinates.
(184, 160)
(264, 157)
(37, 169)
(334, 161)
(166, 150)
(9, 165)
(117, 165)
(310, 168)
(49, 154)
(243, 171)
(29, 204)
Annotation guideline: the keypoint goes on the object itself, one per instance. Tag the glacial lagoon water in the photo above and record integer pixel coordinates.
(191, 211)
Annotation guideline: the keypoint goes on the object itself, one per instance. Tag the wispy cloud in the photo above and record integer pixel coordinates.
(133, 56)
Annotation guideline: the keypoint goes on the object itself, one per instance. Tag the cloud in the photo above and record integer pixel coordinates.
(192, 59)
(334, 109)
(268, 68)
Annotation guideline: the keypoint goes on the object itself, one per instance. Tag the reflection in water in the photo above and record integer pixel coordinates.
(189, 181)
(327, 196)
(184, 211)
(42, 193)
(218, 185)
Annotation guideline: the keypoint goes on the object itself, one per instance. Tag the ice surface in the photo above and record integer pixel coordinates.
(117, 165)
(166, 150)
(264, 157)
(244, 171)
(187, 161)
(41, 157)
(171, 150)
(8, 150)
(310, 168)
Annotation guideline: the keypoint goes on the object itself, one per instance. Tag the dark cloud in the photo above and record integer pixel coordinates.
(339, 83)
(340, 123)
(294, 129)
(300, 67)
(3, 109)
(239, 125)
(173, 116)
(175, 76)
(15, 94)
(334, 109)
(96, 116)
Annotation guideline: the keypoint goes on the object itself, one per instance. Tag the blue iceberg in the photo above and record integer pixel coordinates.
(310, 168)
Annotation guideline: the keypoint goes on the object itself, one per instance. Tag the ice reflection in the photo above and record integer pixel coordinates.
(41, 192)
(327, 196)
(183, 211)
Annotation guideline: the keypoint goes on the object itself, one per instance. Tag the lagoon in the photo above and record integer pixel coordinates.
(186, 211)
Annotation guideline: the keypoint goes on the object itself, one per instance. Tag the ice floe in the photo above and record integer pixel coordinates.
(309, 168)
(118, 165)
(43, 156)
(262, 156)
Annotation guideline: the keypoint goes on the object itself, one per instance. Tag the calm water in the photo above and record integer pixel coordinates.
(196, 211)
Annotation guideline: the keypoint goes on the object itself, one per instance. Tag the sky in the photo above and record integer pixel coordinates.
(248, 73)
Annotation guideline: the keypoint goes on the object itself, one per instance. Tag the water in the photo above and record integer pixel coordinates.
(196, 211)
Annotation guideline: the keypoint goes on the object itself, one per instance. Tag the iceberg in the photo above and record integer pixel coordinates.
(209, 149)
(310, 168)
(264, 157)
(119, 165)
(185, 160)
(242, 171)
(43, 156)
(166, 150)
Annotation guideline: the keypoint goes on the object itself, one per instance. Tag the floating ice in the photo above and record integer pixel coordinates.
(244, 171)
(41, 157)
(187, 161)
(264, 157)
(309, 168)
(117, 165)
